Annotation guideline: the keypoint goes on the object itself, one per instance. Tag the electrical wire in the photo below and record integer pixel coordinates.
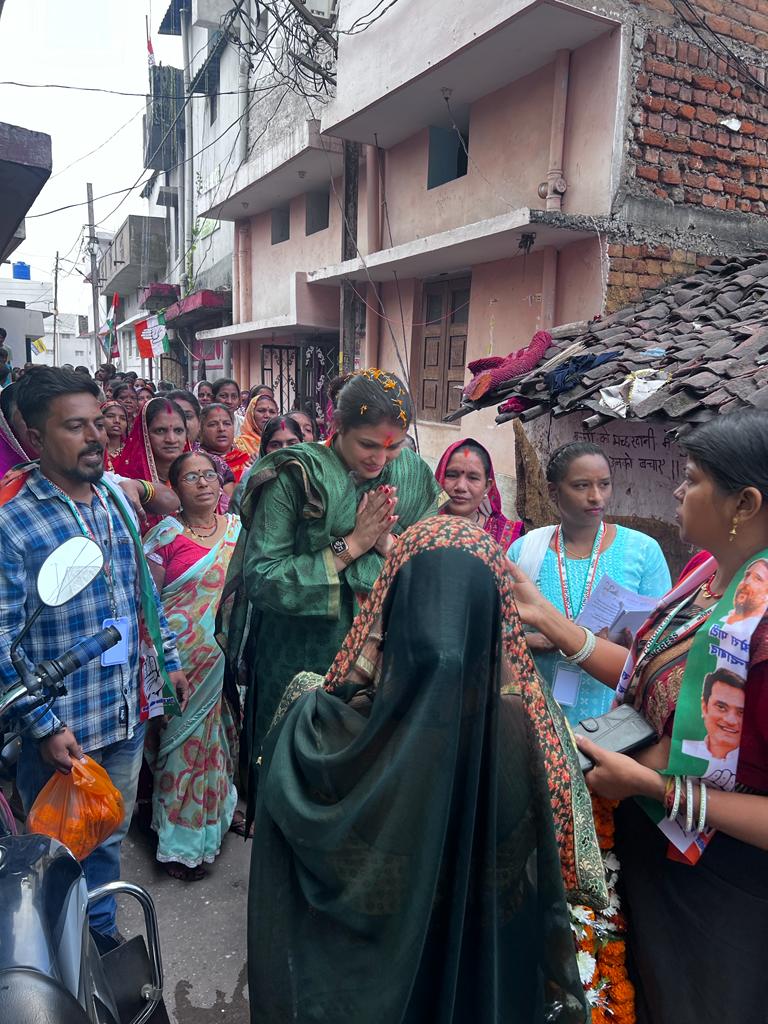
(741, 67)
(101, 145)
(355, 31)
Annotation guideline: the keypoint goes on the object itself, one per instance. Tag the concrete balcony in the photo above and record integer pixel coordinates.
(393, 78)
(458, 249)
(137, 255)
(299, 161)
(25, 166)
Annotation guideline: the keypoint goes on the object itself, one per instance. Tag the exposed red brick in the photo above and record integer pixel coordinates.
(706, 114)
(722, 87)
(632, 251)
(704, 81)
(748, 159)
(655, 103)
(687, 111)
(701, 148)
(650, 280)
(642, 80)
(747, 128)
(649, 173)
(615, 250)
(660, 67)
(751, 192)
(670, 176)
(714, 184)
(654, 138)
(693, 180)
(677, 145)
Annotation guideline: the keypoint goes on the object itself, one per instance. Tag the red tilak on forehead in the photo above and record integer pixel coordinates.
(282, 425)
(388, 441)
(466, 452)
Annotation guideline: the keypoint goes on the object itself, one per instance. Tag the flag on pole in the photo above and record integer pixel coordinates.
(39, 345)
(150, 51)
(107, 332)
(152, 337)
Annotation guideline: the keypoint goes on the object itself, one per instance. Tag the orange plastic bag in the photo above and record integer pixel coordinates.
(81, 809)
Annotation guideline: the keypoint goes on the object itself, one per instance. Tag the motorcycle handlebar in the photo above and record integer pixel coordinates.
(80, 654)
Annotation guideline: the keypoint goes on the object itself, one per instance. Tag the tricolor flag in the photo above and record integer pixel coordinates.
(150, 51)
(39, 345)
(152, 337)
(107, 333)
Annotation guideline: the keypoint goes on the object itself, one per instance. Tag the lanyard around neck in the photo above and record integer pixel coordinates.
(88, 532)
(562, 565)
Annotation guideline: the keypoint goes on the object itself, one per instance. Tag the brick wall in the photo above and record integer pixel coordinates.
(681, 150)
(743, 20)
(635, 269)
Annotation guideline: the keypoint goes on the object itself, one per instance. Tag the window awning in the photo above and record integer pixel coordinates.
(206, 79)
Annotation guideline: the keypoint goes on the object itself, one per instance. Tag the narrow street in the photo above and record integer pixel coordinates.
(202, 931)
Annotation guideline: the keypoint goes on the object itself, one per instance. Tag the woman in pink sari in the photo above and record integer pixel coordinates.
(465, 472)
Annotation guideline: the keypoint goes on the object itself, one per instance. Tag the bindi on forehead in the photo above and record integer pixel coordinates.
(388, 440)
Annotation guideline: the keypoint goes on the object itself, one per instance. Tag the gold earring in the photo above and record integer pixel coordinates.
(734, 529)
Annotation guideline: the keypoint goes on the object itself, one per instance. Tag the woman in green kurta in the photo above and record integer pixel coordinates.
(317, 523)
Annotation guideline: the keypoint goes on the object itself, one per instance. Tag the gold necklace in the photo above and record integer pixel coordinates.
(203, 536)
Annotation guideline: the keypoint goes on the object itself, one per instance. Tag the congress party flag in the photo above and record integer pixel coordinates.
(152, 337)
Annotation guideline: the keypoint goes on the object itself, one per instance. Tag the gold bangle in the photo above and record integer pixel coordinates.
(149, 492)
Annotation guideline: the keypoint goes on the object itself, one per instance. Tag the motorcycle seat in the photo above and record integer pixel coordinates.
(29, 997)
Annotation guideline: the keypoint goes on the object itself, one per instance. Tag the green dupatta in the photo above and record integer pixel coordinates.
(155, 682)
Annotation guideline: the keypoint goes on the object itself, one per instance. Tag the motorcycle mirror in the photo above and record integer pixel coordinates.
(68, 570)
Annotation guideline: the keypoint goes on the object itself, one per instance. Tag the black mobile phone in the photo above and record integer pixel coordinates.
(621, 730)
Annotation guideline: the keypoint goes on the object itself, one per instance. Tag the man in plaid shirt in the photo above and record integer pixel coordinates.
(63, 499)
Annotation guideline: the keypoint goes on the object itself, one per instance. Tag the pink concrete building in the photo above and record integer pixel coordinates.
(467, 245)
(498, 149)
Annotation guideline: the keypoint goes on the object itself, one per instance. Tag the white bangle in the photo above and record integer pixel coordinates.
(702, 822)
(585, 651)
(688, 803)
(676, 802)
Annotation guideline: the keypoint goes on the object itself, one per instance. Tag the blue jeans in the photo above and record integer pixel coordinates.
(122, 762)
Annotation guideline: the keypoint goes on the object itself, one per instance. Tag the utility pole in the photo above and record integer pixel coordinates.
(92, 248)
(350, 304)
(56, 310)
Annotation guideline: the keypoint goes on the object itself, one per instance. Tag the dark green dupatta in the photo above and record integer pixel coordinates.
(407, 864)
(327, 499)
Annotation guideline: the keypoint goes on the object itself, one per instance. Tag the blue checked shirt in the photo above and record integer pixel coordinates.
(102, 704)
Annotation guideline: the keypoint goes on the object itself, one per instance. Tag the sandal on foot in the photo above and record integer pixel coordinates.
(184, 874)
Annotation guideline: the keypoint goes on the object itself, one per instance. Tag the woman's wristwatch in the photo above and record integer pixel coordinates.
(340, 548)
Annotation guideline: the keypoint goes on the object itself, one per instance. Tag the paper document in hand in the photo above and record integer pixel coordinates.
(614, 612)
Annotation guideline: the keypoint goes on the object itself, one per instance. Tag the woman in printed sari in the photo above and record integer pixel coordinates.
(421, 814)
(465, 472)
(694, 851)
(217, 437)
(157, 438)
(194, 795)
(317, 523)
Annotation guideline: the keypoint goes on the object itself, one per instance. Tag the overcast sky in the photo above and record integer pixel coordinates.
(99, 43)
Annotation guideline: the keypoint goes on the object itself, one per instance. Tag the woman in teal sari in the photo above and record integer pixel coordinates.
(318, 521)
(194, 795)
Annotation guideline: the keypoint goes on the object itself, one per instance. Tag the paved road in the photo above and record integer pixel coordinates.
(202, 930)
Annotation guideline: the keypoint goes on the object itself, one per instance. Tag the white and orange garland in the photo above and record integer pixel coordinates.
(601, 937)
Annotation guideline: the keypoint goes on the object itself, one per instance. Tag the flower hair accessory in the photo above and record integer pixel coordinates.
(389, 384)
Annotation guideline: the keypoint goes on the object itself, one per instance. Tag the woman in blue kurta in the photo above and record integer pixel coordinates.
(567, 561)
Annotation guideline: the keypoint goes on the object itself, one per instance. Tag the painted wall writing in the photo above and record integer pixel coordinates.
(647, 464)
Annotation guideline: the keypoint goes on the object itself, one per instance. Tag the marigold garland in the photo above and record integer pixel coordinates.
(601, 948)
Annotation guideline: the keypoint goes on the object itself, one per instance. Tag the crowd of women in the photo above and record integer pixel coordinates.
(373, 651)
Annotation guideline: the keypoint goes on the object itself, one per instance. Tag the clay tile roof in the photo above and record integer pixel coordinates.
(712, 328)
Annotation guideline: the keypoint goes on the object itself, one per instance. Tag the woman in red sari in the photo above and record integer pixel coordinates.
(217, 437)
(158, 436)
(465, 472)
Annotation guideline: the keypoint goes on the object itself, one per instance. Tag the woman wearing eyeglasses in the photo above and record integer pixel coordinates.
(194, 796)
